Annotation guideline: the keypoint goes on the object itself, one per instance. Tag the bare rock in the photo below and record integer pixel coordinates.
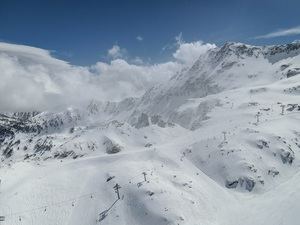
(111, 146)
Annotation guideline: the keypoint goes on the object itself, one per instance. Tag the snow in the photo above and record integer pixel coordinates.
(213, 142)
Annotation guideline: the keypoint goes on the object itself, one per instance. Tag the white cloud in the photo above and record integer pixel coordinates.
(139, 38)
(188, 53)
(35, 54)
(31, 79)
(116, 52)
(179, 39)
(137, 60)
(280, 33)
(129, 79)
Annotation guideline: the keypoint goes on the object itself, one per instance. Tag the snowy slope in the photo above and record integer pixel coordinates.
(219, 144)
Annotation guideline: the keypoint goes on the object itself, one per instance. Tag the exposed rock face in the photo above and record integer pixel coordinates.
(8, 151)
(10, 125)
(287, 156)
(262, 144)
(156, 119)
(25, 115)
(143, 121)
(65, 154)
(284, 66)
(231, 184)
(43, 145)
(292, 72)
(247, 183)
(111, 146)
(293, 90)
(278, 52)
(273, 172)
(5, 133)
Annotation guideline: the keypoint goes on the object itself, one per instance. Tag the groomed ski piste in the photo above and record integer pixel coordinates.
(217, 145)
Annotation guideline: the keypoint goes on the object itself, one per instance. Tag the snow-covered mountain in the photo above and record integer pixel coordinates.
(221, 140)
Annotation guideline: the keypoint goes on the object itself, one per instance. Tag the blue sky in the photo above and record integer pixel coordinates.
(81, 32)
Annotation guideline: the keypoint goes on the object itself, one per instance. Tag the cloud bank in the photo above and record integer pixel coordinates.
(32, 79)
(281, 33)
(188, 53)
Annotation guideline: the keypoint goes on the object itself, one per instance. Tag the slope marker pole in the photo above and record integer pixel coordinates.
(224, 135)
(257, 115)
(282, 109)
(144, 173)
(117, 187)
